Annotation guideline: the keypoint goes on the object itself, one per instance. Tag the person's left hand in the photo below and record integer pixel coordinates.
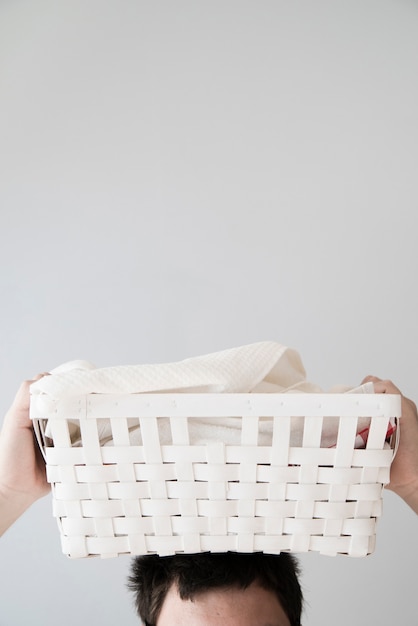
(404, 469)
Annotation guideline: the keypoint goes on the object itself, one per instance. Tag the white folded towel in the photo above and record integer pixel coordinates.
(265, 367)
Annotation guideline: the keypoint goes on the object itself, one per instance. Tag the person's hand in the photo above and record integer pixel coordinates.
(22, 469)
(404, 469)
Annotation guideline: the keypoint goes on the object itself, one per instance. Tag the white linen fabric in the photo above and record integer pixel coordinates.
(264, 367)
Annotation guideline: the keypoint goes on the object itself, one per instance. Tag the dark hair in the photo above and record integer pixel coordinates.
(152, 576)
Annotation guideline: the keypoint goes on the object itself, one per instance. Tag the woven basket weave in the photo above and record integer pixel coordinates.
(185, 498)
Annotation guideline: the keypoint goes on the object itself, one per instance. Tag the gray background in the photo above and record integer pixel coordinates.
(180, 177)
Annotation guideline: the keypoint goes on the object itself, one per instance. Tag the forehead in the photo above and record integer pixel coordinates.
(253, 606)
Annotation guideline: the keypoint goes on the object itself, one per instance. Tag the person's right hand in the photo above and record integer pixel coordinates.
(22, 469)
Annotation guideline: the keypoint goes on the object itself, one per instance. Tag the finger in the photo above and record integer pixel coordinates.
(39, 376)
(370, 379)
(385, 386)
(20, 405)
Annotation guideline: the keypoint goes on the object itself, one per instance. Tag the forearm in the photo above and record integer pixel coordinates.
(12, 506)
(409, 493)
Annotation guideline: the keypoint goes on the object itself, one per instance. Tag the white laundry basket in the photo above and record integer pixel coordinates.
(178, 496)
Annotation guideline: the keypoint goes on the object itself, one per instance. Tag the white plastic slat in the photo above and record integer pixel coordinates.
(208, 405)
(249, 430)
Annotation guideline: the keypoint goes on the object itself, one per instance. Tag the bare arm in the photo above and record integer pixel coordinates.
(404, 470)
(22, 469)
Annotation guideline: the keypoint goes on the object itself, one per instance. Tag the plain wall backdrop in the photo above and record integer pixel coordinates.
(179, 177)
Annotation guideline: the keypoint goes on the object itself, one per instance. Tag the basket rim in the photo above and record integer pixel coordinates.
(168, 404)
